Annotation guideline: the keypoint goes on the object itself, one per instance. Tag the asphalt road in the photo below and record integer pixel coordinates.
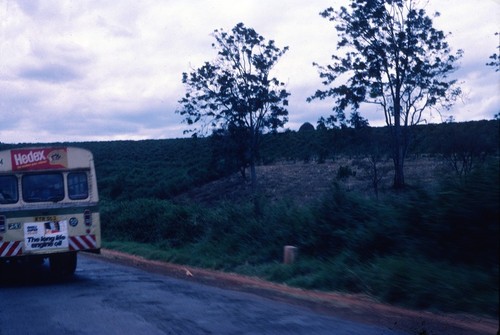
(108, 298)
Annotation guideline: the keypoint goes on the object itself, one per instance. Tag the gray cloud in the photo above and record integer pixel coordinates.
(29, 7)
(53, 73)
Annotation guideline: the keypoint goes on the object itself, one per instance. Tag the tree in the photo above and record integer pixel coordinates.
(495, 59)
(394, 58)
(228, 152)
(465, 151)
(357, 121)
(235, 92)
(306, 126)
(331, 122)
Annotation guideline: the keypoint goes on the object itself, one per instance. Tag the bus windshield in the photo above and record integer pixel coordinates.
(43, 187)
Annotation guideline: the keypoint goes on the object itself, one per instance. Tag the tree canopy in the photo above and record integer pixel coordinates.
(495, 59)
(236, 91)
(389, 55)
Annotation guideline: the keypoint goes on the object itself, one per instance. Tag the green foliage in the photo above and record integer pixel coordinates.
(151, 221)
(344, 172)
(345, 222)
(495, 58)
(428, 284)
(341, 273)
(465, 150)
(467, 218)
(460, 223)
(236, 89)
(346, 243)
(157, 169)
(306, 126)
(475, 137)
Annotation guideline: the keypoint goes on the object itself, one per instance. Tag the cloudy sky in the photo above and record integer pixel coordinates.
(110, 70)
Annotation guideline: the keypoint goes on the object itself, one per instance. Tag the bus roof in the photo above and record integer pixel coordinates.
(45, 158)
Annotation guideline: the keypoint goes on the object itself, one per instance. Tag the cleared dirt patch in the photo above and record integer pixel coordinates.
(304, 183)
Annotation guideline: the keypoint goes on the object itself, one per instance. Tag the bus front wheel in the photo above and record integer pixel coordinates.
(63, 264)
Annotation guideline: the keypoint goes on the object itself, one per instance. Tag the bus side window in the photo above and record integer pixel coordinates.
(8, 190)
(78, 187)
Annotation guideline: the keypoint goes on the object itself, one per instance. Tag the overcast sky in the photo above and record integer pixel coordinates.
(110, 70)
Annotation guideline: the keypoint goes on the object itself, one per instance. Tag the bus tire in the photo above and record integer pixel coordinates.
(63, 264)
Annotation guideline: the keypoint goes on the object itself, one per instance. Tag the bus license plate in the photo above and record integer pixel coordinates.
(52, 218)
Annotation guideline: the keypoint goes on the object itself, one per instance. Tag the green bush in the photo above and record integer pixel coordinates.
(344, 172)
(459, 224)
(468, 218)
(346, 243)
(342, 221)
(151, 221)
(420, 283)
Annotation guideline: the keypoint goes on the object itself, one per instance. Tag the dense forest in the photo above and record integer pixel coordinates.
(434, 245)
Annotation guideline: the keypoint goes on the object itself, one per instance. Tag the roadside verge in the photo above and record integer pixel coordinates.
(358, 308)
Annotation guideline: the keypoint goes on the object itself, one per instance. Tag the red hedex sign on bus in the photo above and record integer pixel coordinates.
(38, 159)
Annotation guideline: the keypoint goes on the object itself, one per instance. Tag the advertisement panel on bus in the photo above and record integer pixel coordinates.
(39, 159)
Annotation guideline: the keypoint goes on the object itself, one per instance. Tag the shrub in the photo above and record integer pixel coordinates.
(421, 283)
(151, 221)
(344, 172)
(343, 221)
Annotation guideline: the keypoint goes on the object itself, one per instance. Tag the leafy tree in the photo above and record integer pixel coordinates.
(331, 122)
(306, 127)
(357, 121)
(339, 121)
(495, 59)
(394, 58)
(236, 91)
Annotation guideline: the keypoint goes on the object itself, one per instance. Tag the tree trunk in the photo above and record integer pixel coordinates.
(399, 145)
(254, 143)
(253, 176)
(399, 178)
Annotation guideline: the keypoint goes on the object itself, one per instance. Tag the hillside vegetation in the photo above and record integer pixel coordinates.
(432, 246)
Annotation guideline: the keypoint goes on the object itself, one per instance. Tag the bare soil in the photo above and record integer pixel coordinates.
(304, 183)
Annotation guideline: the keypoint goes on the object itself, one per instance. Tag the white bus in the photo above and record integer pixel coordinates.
(48, 206)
